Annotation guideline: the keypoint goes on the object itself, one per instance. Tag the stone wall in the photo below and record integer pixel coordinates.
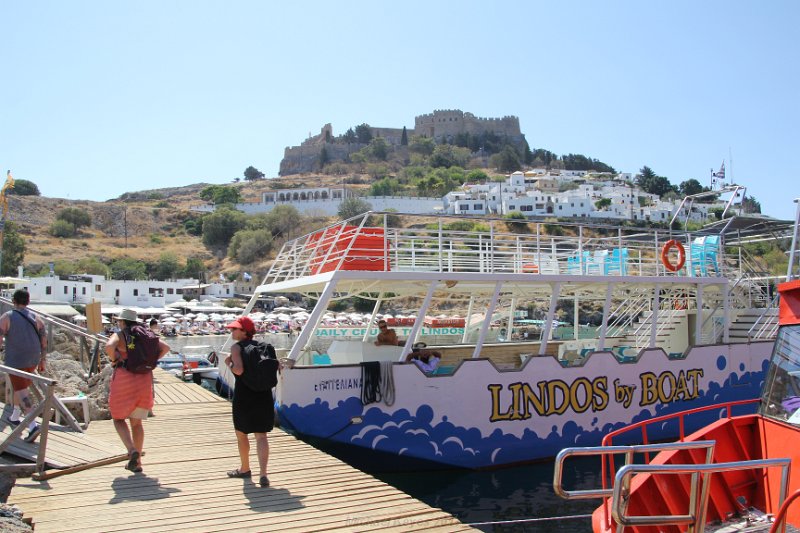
(441, 124)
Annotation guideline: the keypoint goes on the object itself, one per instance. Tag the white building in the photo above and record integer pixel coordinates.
(325, 201)
(87, 288)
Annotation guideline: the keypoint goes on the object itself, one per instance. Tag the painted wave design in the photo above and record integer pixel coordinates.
(416, 435)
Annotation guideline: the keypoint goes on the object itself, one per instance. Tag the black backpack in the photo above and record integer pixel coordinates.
(260, 366)
(143, 350)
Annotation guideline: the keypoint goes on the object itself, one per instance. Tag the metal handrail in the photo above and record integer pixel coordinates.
(628, 451)
(698, 497)
(493, 250)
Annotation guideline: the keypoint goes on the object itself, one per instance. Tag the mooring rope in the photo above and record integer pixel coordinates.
(387, 382)
(528, 520)
(370, 382)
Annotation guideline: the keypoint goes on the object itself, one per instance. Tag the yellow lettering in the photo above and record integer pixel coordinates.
(496, 414)
(649, 392)
(600, 396)
(681, 388)
(575, 394)
(558, 396)
(530, 399)
(663, 395)
(694, 376)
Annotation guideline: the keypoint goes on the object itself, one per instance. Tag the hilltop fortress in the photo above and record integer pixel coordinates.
(441, 125)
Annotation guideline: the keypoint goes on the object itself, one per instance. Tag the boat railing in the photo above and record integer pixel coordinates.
(695, 516)
(766, 325)
(453, 244)
(680, 417)
(629, 453)
(625, 315)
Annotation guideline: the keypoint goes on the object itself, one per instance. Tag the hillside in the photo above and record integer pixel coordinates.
(138, 225)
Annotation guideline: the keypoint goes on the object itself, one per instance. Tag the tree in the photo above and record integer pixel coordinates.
(384, 187)
(689, 187)
(92, 265)
(13, 250)
(507, 160)
(75, 216)
(349, 136)
(476, 176)
(422, 145)
(651, 183)
(62, 229)
(323, 157)
(248, 246)
(126, 268)
(24, 188)
(353, 206)
(194, 268)
(447, 155)
(253, 174)
(602, 203)
(363, 133)
(751, 205)
(379, 149)
(404, 137)
(166, 267)
(221, 194)
(221, 225)
(281, 220)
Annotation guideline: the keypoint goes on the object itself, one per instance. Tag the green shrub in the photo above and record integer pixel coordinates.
(62, 229)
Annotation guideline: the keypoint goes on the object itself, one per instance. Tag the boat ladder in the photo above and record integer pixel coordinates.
(617, 497)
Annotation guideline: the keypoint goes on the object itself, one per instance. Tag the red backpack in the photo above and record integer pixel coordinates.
(143, 350)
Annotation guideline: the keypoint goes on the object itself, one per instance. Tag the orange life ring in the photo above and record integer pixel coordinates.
(669, 245)
(530, 268)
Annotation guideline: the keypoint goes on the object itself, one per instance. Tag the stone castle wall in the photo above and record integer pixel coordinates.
(441, 124)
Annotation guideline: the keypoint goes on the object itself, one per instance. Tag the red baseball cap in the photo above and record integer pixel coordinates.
(243, 323)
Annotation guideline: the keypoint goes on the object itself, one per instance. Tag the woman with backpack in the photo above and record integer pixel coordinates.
(130, 397)
(253, 410)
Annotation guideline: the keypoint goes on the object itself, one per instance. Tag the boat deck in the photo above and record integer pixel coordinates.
(190, 444)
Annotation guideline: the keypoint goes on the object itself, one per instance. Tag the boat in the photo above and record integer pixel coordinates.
(192, 363)
(736, 473)
(684, 321)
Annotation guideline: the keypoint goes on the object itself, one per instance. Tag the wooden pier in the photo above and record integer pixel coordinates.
(189, 445)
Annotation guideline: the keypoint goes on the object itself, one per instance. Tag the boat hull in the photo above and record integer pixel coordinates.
(482, 417)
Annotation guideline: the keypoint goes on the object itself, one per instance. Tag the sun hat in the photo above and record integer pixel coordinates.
(419, 345)
(243, 323)
(129, 315)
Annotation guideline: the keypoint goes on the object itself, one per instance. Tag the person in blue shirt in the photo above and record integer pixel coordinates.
(426, 360)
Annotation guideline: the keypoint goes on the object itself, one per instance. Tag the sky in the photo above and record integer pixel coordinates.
(100, 98)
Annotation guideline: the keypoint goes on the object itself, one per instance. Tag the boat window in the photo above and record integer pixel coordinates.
(781, 395)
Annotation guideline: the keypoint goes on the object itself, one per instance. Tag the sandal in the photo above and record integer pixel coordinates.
(133, 462)
(238, 473)
(264, 481)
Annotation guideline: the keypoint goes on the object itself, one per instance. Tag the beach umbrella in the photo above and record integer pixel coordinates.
(165, 315)
(201, 317)
(282, 309)
(283, 317)
(190, 315)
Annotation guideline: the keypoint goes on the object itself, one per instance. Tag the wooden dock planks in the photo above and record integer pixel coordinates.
(189, 446)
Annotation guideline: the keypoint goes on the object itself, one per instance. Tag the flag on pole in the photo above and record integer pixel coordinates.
(247, 277)
(719, 177)
(222, 277)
